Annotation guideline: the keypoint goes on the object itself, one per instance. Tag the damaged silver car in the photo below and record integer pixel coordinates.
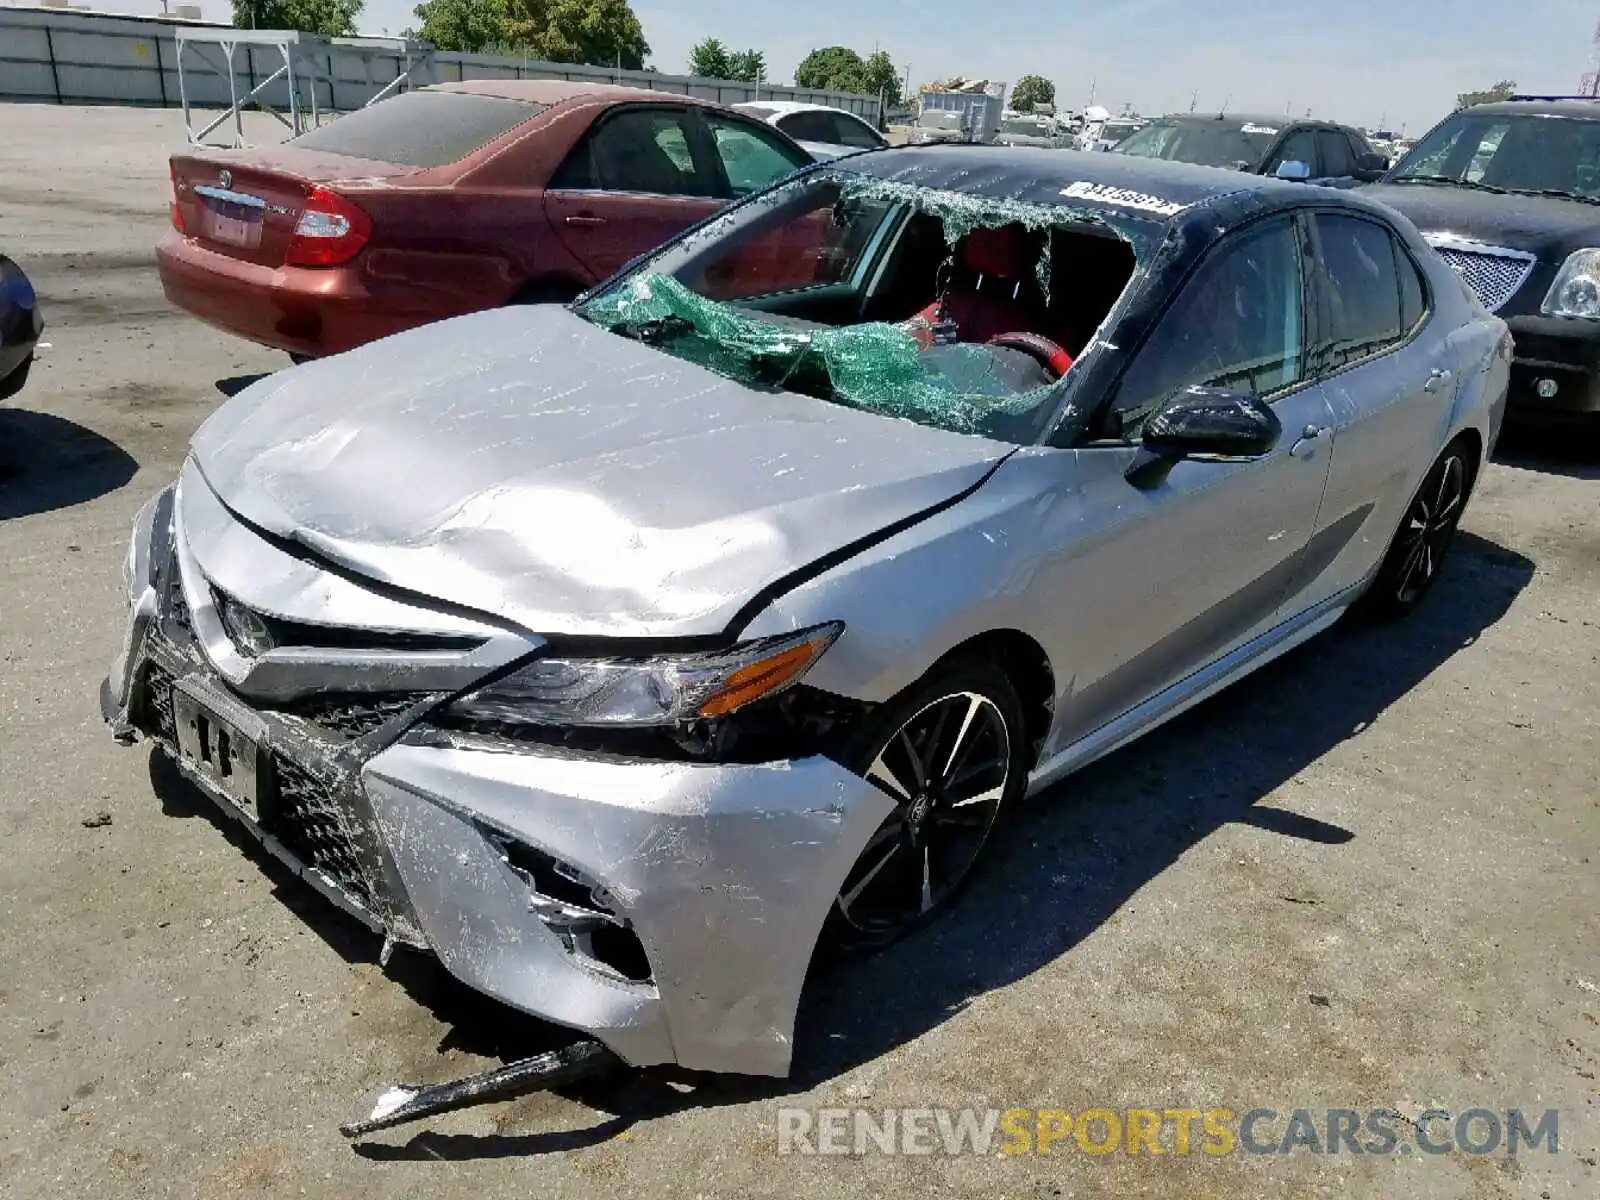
(626, 654)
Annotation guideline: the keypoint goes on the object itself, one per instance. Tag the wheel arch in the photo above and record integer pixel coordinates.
(1026, 664)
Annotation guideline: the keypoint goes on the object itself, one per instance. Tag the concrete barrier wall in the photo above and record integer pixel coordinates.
(57, 57)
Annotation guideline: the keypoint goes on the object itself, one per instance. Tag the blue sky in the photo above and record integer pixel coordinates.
(1351, 60)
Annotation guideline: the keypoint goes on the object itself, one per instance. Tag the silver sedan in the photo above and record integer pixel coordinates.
(626, 654)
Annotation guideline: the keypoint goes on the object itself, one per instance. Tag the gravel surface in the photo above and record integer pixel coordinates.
(1368, 876)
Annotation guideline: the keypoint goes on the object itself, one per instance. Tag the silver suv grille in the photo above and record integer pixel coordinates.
(1493, 272)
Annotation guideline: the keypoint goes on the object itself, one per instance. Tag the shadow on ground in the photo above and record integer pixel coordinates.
(48, 462)
(1073, 856)
(1554, 450)
(234, 384)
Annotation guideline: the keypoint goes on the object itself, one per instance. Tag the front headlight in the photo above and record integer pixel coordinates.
(1576, 290)
(665, 689)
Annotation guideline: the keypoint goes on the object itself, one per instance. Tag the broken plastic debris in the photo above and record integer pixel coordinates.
(412, 1101)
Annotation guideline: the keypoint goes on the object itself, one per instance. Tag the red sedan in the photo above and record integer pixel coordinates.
(446, 200)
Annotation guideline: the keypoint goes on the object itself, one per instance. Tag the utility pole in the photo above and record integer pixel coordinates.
(1194, 99)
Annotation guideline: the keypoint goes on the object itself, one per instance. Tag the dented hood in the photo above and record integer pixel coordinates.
(524, 463)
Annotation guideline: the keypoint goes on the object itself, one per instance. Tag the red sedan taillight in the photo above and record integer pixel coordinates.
(177, 213)
(331, 230)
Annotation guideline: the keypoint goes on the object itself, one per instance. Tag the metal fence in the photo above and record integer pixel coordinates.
(50, 56)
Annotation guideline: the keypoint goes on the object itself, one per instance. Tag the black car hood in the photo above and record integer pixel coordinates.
(1546, 226)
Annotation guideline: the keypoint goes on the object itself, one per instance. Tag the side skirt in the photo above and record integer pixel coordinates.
(1191, 690)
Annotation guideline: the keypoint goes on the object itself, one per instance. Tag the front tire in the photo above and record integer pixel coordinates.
(951, 753)
(1425, 535)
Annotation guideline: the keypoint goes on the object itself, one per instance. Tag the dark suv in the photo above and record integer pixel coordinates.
(1509, 195)
(1333, 155)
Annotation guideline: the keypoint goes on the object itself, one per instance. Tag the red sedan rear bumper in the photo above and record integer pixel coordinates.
(314, 311)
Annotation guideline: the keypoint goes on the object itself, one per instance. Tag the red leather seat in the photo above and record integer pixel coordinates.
(990, 291)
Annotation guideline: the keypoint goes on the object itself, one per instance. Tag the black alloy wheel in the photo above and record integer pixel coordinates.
(949, 754)
(1424, 537)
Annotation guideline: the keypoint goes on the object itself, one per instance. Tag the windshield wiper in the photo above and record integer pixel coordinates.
(1462, 183)
(1556, 193)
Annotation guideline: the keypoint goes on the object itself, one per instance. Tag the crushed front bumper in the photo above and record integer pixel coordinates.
(668, 910)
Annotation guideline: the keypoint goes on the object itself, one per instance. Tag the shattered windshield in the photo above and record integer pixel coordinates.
(1540, 155)
(927, 305)
(1204, 144)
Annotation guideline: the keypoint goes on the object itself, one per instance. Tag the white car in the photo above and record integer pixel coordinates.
(824, 132)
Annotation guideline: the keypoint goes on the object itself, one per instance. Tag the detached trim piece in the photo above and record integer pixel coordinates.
(412, 1101)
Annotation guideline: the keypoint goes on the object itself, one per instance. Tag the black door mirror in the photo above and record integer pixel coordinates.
(1206, 423)
(1371, 167)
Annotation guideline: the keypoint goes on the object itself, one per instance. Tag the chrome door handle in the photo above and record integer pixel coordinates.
(1306, 444)
(586, 220)
(1437, 378)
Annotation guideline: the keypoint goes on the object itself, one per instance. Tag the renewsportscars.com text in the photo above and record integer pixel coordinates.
(1180, 1131)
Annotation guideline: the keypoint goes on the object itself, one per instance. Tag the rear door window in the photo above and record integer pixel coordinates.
(1299, 146)
(648, 151)
(1413, 298)
(1363, 291)
(1337, 161)
(751, 156)
(853, 132)
(420, 129)
(809, 127)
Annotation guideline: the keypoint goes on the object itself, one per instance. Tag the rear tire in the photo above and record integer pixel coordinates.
(1425, 535)
(951, 751)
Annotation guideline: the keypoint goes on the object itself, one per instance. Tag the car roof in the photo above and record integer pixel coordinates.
(1543, 106)
(1039, 176)
(1234, 119)
(793, 106)
(559, 91)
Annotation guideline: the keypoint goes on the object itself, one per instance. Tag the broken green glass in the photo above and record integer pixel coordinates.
(873, 366)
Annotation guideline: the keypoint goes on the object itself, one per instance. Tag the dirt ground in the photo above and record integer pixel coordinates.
(1368, 876)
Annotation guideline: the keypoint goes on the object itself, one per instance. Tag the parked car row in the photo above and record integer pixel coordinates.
(1304, 150)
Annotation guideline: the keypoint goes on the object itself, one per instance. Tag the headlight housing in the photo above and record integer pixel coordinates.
(1576, 290)
(659, 690)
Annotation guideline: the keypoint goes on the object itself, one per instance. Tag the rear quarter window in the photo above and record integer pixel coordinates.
(420, 129)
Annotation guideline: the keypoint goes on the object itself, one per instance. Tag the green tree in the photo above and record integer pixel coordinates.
(748, 66)
(1031, 90)
(841, 69)
(832, 68)
(879, 78)
(333, 18)
(710, 60)
(468, 26)
(1503, 90)
(602, 33)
